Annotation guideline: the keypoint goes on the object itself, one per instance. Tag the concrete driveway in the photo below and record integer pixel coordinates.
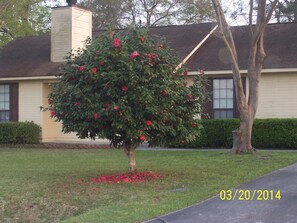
(271, 209)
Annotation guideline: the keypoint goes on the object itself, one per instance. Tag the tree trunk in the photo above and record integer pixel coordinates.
(130, 152)
(132, 160)
(247, 109)
(242, 142)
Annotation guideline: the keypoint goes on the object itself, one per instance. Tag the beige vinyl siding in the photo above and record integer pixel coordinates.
(71, 26)
(277, 96)
(30, 100)
(60, 34)
(52, 130)
(81, 27)
(49, 126)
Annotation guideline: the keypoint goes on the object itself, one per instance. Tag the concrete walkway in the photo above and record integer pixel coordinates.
(272, 210)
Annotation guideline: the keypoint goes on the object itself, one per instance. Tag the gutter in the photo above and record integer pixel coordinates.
(28, 78)
(244, 72)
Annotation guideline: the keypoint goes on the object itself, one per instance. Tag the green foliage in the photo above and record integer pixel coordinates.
(56, 182)
(124, 87)
(267, 133)
(275, 133)
(19, 133)
(22, 18)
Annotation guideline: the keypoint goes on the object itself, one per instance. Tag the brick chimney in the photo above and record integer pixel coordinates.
(71, 26)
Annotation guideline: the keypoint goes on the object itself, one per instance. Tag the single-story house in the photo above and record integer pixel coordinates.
(29, 64)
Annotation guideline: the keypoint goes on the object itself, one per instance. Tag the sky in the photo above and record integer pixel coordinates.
(228, 5)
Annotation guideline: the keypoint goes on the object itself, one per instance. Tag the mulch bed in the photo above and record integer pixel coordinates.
(137, 177)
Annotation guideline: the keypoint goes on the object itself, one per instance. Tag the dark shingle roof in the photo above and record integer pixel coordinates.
(30, 56)
(280, 44)
(27, 57)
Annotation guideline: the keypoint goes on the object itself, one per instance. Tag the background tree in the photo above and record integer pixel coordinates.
(123, 13)
(106, 13)
(286, 11)
(32, 17)
(22, 18)
(124, 87)
(247, 107)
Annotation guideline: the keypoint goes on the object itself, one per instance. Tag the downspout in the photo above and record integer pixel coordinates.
(195, 49)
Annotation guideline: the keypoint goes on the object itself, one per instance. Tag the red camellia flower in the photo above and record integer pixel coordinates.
(49, 101)
(81, 68)
(107, 107)
(133, 55)
(148, 123)
(142, 39)
(190, 96)
(194, 124)
(115, 108)
(164, 92)
(94, 70)
(52, 113)
(116, 42)
(201, 71)
(161, 46)
(96, 116)
(152, 55)
(124, 88)
(142, 138)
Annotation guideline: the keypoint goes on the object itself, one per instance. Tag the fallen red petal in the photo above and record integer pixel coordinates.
(127, 178)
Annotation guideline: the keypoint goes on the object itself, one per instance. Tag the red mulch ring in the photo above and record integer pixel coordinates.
(137, 177)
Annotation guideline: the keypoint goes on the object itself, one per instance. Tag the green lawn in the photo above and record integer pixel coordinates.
(39, 185)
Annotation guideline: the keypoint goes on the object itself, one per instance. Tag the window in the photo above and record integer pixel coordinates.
(223, 98)
(4, 103)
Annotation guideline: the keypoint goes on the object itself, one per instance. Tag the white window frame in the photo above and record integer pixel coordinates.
(4, 102)
(223, 98)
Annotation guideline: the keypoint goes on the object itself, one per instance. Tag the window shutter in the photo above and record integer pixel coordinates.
(14, 102)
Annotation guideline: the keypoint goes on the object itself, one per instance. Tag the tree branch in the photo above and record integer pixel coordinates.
(227, 37)
(257, 52)
(251, 16)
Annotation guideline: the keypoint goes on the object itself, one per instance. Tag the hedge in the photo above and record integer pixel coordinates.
(267, 133)
(19, 133)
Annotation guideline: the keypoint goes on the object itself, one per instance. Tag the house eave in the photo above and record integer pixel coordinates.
(190, 73)
(243, 72)
(5, 79)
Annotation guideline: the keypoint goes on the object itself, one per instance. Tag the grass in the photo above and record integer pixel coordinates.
(39, 185)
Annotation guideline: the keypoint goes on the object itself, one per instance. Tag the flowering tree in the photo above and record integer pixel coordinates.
(124, 87)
